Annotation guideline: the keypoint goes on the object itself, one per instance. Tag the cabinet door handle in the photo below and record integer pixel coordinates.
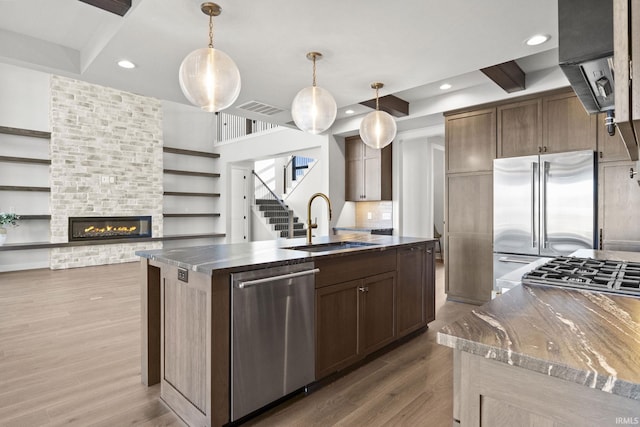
(428, 251)
(363, 289)
(544, 149)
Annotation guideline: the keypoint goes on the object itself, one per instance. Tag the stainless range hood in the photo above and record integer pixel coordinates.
(585, 31)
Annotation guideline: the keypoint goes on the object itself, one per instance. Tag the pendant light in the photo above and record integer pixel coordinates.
(378, 128)
(208, 77)
(314, 109)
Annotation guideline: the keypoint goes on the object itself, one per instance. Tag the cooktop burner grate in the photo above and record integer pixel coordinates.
(619, 277)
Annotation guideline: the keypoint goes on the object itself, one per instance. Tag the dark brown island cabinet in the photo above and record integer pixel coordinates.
(365, 302)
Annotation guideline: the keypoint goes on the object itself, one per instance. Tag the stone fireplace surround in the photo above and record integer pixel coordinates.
(106, 160)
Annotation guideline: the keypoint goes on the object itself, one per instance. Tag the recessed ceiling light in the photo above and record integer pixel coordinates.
(126, 64)
(349, 111)
(537, 39)
(445, 86)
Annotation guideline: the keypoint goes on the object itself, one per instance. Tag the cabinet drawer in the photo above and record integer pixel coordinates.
(351, 267)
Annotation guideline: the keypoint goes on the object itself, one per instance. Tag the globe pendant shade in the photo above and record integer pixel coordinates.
(378, 129)
(210, 79)
(313, 109)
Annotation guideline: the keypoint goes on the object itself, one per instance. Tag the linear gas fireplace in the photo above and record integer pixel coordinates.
(109, 227)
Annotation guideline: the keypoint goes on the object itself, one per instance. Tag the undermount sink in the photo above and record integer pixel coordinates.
(332, 246)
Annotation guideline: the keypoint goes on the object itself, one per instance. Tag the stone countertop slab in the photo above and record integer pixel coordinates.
(268, 253)
(590, 338)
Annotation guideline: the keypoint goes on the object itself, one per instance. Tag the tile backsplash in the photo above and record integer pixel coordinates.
(374, 214)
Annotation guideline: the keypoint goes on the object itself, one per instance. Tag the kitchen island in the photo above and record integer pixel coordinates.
(369, 293)
(548, 356)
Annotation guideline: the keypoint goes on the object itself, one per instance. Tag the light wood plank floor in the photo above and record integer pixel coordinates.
(70, 355)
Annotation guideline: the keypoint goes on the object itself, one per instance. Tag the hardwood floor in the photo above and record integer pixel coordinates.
(70, 355)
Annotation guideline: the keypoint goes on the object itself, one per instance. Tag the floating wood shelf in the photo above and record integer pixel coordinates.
(191, 173)
(25, 132)
(30, 217)
(48, 245)
(190, 152)
(190, 215)
(24, 160)
(19, 188)
(182, 193)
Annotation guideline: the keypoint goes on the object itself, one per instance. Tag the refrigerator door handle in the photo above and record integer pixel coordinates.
(543, 204)
(534, 168)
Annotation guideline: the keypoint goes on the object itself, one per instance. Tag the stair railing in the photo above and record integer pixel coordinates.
(263, 191)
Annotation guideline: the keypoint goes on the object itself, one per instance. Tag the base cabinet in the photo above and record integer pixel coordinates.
(494, 394)
(415, 306)
(353, 319)
(367, 301)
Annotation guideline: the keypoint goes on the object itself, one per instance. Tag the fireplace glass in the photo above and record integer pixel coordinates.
(109, 227)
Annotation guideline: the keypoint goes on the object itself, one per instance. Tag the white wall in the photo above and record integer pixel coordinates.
(413, 185)
(24, 98)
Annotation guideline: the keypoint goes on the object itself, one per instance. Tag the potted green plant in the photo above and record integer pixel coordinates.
(7, 219)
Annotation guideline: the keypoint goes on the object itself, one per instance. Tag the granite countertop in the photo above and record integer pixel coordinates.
(267, 253)
(590, 338)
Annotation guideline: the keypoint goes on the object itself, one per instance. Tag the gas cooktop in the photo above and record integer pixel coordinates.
(620, 277)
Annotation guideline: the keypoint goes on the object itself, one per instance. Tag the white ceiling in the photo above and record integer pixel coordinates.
(410, 45)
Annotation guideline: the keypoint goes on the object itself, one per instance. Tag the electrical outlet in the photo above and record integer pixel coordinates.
(183, 274)
(386, 215)
(369, 215)
(104, 179)
(112, 180)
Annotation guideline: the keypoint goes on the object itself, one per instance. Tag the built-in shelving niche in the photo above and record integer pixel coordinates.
(189, 202)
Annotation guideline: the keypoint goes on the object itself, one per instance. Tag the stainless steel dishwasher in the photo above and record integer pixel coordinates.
(272, 335)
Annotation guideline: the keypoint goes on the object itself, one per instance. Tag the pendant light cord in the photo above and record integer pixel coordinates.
(377, 102)
(211, 31)
(314, 71)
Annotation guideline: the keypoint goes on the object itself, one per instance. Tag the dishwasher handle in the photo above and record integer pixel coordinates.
(248, 283)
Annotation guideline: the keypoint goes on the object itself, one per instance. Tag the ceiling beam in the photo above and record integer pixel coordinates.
(508, 75)
(119, 7)
(391, 104)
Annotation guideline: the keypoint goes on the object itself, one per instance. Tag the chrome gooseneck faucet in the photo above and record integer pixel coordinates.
(312, 225)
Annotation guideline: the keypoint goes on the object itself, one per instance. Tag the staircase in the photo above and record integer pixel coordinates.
(278, 218)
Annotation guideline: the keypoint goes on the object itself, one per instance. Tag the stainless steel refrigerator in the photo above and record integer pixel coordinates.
(544, 206)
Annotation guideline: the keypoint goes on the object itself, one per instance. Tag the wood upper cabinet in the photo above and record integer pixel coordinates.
(367, 170)
(415, 288)
(626, 46)
(567, 126)
(470, 141)
(520, 128)
(619, 201)
(610, 148)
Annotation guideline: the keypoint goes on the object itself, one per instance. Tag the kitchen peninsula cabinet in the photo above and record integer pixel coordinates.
(367, 170)
(186, 312)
